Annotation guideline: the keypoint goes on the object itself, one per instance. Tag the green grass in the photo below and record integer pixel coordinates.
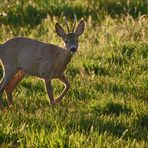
(107, 104)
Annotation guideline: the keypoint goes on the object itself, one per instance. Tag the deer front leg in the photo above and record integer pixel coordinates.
(67, 86)
(49, 91)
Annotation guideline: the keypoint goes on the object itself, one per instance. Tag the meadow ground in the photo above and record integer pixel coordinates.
(107, 104)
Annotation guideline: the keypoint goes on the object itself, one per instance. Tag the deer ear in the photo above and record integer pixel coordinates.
(60, 31)
(80, 28)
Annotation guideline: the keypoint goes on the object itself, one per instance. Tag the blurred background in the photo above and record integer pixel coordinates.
(31, 13)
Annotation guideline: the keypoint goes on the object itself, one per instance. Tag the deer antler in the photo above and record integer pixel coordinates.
(67, 25)
(75, 18)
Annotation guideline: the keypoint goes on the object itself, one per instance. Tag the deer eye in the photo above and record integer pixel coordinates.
(66, 42)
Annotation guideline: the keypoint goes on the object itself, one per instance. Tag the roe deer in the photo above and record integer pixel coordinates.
(21, 55)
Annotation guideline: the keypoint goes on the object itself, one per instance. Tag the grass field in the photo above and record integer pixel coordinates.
(107, 104)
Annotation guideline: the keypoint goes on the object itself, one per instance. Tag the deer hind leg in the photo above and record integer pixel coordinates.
(7, 76)
(12, 84)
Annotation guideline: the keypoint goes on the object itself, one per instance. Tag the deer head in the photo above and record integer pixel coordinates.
(71, 38)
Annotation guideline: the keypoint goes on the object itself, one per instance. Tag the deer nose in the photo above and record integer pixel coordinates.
(73, 49)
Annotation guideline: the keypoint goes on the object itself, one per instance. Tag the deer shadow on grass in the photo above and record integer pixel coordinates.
(117, 128)
(85, 124)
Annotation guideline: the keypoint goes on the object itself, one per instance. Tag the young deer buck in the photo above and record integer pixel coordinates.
(21, 55)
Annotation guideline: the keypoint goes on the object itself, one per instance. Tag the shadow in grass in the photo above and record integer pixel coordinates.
(32, 14)
(118, 60)
(139, 92)
(128, 50)
(118, 88)
(112, 127)
(144, 50)
(115, 108)
(31, 87)
(92, 123)
(120, 8)
(143, 121)
(5, 103)
(111, 108)
(23, 16)
(93, 67)
(72, 71)
(69, 10)
(10, 139)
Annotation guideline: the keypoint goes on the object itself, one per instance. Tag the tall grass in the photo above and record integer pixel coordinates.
(107, 105)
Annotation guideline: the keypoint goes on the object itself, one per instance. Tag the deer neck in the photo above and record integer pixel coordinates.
(67, 57)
